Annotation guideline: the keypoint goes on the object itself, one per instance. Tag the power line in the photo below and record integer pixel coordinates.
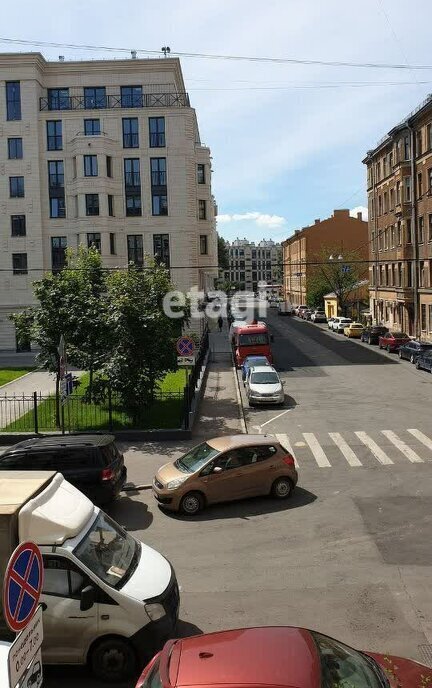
(208, 56)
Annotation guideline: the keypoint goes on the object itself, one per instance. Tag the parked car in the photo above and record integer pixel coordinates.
(285, 308)
(353, 330)
(330, 322)
(424, 361)
(92, 463)
(318, 317)
(339, 324)
(224, 469)
(264, 386)
(251, 362)
(298, 309)
(412, 349)
(372, 333)
(306, 314)
(392, 340)
(283, 656)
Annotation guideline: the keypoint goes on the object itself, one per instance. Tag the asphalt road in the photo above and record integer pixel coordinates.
(350, 553)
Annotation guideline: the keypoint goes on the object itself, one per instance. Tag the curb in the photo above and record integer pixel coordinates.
(134, 488)
(242, 417)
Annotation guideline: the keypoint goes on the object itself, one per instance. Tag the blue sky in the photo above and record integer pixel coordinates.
(287, 140)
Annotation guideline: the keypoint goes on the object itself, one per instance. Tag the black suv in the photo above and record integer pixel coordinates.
(372, 334)
(92, 463)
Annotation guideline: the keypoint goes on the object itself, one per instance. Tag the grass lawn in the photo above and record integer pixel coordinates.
(9, 374)
(79, 416)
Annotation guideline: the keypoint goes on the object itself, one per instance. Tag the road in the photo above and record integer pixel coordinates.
(350, 553)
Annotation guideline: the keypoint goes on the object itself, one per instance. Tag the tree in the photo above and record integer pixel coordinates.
(331, 273)
(223, 254)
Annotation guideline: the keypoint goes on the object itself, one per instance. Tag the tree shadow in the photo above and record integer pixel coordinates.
(130, 513)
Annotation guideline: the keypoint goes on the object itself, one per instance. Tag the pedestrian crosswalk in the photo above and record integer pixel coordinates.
(358, 448)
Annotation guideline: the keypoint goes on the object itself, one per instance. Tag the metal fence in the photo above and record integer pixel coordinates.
(195, 372)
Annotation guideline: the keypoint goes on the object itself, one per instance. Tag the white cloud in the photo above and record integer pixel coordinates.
(260, 219)
(360, 209)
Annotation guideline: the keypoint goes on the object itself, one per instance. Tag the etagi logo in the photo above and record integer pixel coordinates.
(237, 307)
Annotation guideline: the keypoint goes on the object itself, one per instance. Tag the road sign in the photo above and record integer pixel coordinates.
(22, 585)
(185, 361)
(185, 346)
(24, 659)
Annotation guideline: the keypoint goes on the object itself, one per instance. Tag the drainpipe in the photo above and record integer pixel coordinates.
(376, 241)
(414, 231)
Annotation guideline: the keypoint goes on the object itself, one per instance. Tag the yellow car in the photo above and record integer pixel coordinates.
(353, 330)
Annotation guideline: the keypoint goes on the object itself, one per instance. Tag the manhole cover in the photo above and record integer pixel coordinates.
(425, 652)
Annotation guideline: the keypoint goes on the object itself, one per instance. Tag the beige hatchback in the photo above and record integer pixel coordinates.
(223, 469)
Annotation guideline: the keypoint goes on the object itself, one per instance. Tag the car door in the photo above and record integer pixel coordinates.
(78, 465)
(226, 484)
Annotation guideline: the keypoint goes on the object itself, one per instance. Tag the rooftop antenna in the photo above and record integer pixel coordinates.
(133, 53)
(166, 49)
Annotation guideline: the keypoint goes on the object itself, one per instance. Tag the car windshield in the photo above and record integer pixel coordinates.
(260, 338)
(153, 680)
(109, 551)
(196, 458)
(399, 335)
(254, 361)
(264, 378)
(342, 666)
(425, 347)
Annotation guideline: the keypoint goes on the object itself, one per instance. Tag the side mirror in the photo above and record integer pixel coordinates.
(217, 469)
(87, 598)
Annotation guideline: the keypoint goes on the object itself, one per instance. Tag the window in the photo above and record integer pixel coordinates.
(386, 239)
(429, 136)
(386, 202)
(392, 199)
(58, 99)
(373, 241)
(61, 579)
(132, 186)
(406, 148)
(92, 127)
(130, 132)
(399, 233)
(92, 204)
(56, 188)
(204, 245)
(202, 210)
(430, 317)
(398, 193)
(109, 166)
(409, 274)
(430, 227)
(55, 173)
(90, 166)
(423, 316)
(421, 274)
(201, 174)
(131, 96)
(158, 171)
(110, 205)
(18, 225)
(16, 187)
(13, 100)
(407, 189)
(57, 207)
(112, 243)
(421, 230)
(161, 248)
(419, 185)
(15, 149)
(135, 249)
(392, 236)
(54, 135)
(159, 204)
(157, 132)
(158, 186)
(419, 142)
(379, 205)
(400, 284)
(19, 263)
(430, 181)
(408, 231)
(95, 97)
(58, 253)
(74, 166)
(94, 239)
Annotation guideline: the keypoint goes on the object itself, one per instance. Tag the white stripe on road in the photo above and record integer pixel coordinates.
(276, 417)
(404, 448)
(421, 438)
(317, 450)
(374, 448)
(345, 449)
(283, 439)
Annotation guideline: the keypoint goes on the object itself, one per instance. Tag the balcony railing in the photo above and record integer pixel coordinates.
(115, 101)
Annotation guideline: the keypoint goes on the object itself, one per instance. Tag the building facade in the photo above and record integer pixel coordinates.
(341, 232)
(104, 153)
(252, 264)
(399, 182)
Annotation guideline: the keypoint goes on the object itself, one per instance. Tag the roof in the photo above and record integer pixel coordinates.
(234, 441)
(17, 487)
(63, 441)
(251, 327)
(263, 369)
(268, 656)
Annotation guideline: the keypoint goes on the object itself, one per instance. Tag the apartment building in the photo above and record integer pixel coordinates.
(399, 183)
(340, 231)
(104, 153)
(251, 264)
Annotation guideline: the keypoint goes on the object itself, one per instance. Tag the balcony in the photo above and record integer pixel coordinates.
(146, 100)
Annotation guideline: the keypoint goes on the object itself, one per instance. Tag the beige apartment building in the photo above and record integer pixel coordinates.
(340, 231)
(104, 153)
(399, 181)
(253, 264)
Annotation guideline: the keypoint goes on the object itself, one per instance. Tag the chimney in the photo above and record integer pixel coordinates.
(341, 212)
(317, 221)
(61, 58)
(359, 216)
(133, 53)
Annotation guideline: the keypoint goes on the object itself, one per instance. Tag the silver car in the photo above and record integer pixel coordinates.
(264, 386)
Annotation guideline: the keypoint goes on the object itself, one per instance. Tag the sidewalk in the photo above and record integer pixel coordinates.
(22, 388)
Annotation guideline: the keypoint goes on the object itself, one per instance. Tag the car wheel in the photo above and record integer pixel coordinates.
(417, 365)
(388, 348)
(191, 503)
(113, 660)
(282, 488)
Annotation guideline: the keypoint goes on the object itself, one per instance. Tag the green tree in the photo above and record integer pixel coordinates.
(223, 254)
(330, 271)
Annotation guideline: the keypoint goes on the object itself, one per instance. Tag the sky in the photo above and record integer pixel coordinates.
(287, 140)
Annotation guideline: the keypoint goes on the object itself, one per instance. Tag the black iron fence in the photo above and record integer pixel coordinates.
(195, 372)
(144, 100)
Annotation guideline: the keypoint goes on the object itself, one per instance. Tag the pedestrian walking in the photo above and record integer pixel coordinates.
(220, 323)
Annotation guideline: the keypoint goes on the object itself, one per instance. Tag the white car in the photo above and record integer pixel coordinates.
(297, 309)
(339, 324)
(319, 317)
(264, 386)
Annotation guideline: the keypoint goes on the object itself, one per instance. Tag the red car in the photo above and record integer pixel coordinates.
(280, 656)
(392, 340)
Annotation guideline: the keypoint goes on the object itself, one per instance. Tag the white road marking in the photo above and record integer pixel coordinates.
(276, 417)
(421, 437)
(317, 450)
(283, 439)
(404, 448)
(379, 454)
(345, 449)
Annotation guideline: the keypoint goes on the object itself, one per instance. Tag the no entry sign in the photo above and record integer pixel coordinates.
(22, 585)
(185, 346)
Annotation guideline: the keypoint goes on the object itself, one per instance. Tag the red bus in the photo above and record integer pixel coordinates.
(252, 340)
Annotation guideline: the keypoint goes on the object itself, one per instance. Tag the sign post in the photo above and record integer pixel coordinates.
(186, 354)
